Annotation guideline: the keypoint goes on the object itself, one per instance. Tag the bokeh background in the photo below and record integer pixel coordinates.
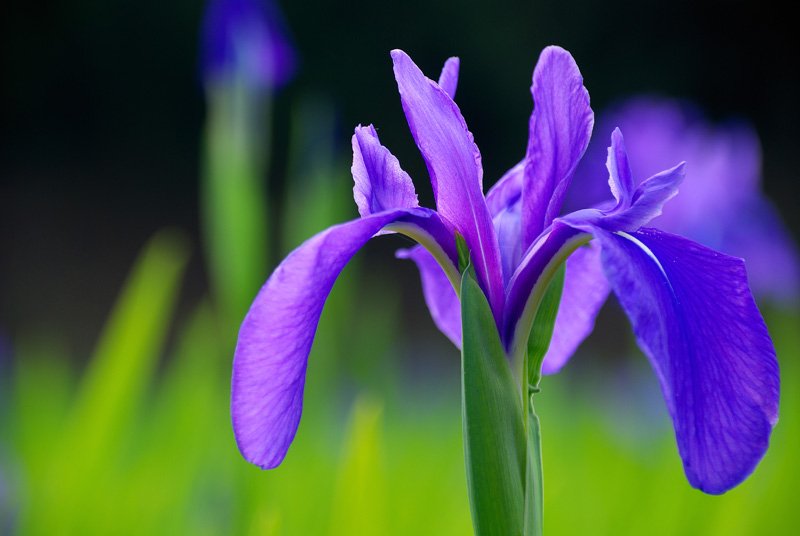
(114, 352)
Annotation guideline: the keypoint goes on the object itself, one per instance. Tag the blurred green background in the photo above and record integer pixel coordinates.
(115, 346)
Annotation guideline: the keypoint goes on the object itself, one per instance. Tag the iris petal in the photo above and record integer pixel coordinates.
(453, 162)
(275, 339)
(620, 178)
(695, 318)
(448, 79)
(585, 291)
(560, 128)
(379, 181)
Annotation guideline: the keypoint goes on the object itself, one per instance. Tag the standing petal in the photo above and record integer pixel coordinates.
(448, 79)
(454, 166)
(585, 292)
(379, 181)
(695, 318)
(269, 366)
(560, 128)
(620, 178)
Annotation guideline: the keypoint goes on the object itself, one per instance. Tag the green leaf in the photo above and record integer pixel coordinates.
(542, 329)
(494, 435)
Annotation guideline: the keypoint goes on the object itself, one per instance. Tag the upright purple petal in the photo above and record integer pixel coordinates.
(454, 166)
(379, 181)
(247, 40)
(695, 318)
(585, 291)
(560, 128)
(448, 79)
(620, 178)
(275, 338)
(441, 298)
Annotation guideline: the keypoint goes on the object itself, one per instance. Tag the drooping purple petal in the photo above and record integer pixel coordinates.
(585, 292)
(453, 162)
(560, 128)
(441, 298)
(247, 40)
(275, 338)
(379, 182)
(695, 318)
(448, 79)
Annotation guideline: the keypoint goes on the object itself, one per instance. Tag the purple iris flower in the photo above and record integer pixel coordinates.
(721, 204)
(247, 39)
(690, 307)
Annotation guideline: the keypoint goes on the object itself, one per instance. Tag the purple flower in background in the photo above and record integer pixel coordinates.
(690, 307)
(246, 39)
(721, 204)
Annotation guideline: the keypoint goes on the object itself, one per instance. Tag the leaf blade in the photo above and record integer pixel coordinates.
(494, 437)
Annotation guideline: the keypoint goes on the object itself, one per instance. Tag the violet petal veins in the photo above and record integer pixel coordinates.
(694, 317)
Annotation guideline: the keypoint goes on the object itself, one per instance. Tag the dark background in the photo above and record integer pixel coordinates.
(102, 111)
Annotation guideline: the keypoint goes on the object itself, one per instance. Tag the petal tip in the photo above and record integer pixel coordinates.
(398, 54)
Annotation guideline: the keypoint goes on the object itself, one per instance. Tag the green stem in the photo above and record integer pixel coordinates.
(534, 483)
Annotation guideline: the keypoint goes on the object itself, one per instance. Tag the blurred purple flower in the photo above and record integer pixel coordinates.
(690, 307)
(246, 40)
(721, 204)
